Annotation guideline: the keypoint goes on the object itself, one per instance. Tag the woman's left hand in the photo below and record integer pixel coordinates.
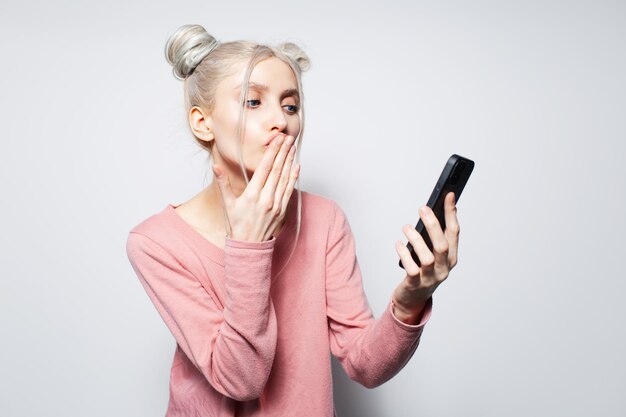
(420, 283)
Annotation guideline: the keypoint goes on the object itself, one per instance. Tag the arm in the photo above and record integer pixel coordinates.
(371, 351)
(234, 347)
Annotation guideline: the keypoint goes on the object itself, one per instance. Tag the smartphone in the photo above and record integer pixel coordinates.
(455, 174)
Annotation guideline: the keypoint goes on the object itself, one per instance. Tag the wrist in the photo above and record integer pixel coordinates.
(408, 316)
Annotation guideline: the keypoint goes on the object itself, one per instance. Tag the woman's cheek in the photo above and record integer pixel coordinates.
(295, 127)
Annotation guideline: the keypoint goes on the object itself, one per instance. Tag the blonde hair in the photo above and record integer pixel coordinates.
(202, 62)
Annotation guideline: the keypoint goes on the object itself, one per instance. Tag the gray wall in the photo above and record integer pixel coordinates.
(531, 322)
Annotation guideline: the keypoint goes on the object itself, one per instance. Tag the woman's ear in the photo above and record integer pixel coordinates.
(201, 124)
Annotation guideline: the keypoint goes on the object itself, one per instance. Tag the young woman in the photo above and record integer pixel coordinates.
(259, 287)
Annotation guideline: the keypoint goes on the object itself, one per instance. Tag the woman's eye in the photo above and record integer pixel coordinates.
(250, 103)
(291, 108)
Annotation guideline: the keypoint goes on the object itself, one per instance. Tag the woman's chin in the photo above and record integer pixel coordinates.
(251, 170)
(252, 165)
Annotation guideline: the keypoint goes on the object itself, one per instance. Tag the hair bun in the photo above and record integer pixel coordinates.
(296, 54)
(187, 47)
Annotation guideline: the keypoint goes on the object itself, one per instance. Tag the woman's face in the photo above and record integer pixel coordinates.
(271, 108)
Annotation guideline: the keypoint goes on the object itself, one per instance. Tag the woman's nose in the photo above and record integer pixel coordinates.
(277, 118)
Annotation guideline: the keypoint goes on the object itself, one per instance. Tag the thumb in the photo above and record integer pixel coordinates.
(224, 185)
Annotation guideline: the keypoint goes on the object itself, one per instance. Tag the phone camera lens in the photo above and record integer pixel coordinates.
(457, 173)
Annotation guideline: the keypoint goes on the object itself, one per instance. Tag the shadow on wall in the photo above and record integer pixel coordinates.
(351, 398)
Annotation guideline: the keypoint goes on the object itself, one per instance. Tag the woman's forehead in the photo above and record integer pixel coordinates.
(268, 74)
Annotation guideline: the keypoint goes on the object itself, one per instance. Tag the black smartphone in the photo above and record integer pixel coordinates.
(455, 174)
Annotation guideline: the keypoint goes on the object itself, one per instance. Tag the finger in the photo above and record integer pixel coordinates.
(255, 185)
(409, 265)
(293, 177)
(438, 239)
(426, 257)
(452, 228)
(284, 176)
(268, 192)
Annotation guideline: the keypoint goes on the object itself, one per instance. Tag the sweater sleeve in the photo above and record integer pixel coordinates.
(233, 347)
(371, 351)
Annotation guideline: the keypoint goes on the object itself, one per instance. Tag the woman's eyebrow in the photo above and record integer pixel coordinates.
(262, 87)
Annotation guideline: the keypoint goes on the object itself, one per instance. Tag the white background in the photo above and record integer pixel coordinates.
(530, 323)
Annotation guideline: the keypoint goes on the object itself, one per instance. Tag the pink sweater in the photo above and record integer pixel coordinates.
(250, 343)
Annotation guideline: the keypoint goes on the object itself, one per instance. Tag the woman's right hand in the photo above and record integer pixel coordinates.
(260, 210)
